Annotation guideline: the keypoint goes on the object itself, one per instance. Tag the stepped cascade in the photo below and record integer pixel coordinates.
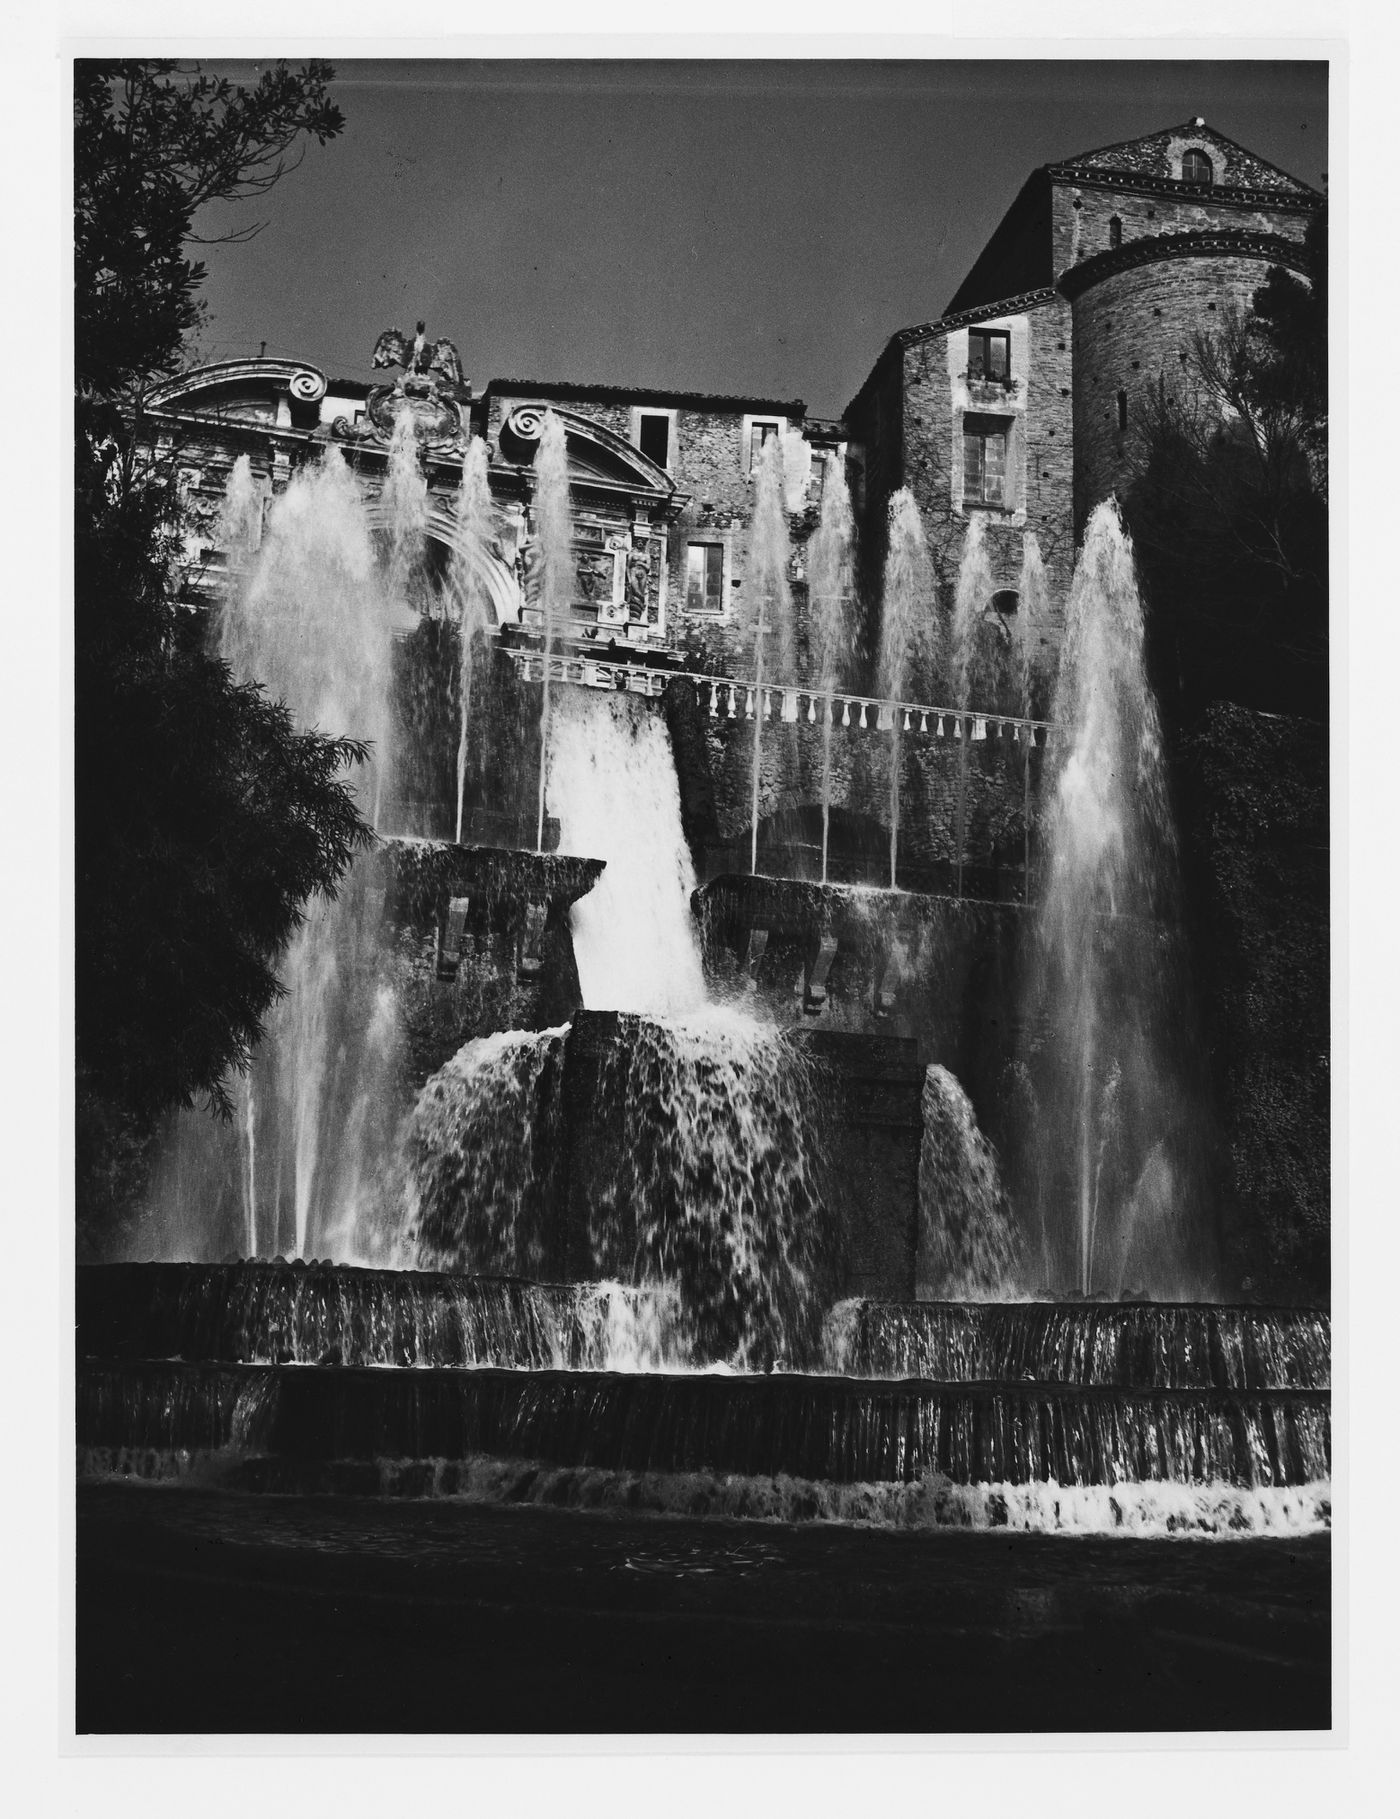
(594, 1167)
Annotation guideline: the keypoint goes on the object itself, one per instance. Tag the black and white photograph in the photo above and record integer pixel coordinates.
(703, 920)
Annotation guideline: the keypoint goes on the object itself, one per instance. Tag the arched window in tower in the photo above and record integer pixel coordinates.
(1196, 168)
(1115, 230)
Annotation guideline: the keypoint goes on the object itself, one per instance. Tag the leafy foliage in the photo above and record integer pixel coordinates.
(1228, 509)
(151, 146)
(205, 818)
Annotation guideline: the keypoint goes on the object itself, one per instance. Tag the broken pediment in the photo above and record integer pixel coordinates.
(597, 456)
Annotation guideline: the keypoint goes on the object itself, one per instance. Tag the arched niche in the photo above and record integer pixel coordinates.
(491, 572)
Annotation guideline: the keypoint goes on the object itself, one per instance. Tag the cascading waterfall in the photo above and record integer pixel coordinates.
(678, 1146)
(701, 1172)
(908, 630)
(831, 564)
(968, 1242)
(768, 597)
(475, 530)
(1112, 1106)
(554, 532)
(612, 785)
(481, 1153)
(718, 1188)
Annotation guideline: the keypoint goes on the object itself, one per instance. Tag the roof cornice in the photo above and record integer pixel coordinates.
(924, 331)
(642, 395)
(1139, 183)
(979, 312)
(1213, 243)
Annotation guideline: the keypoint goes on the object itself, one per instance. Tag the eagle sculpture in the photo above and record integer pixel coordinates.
(419, 356)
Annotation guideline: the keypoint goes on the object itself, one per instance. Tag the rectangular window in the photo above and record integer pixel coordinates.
(654, 436)
(760, 434)
(989, 353)
(984, 463)
(704, 578)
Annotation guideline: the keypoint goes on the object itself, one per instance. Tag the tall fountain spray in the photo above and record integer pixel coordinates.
(769, 597)
(553, 530)
(908, 630)
(404, 501)
(474, 529)
(240, 515)
(1104, 986)
(313, 622)
(1033, 617)
(976, 671)
(831, 592)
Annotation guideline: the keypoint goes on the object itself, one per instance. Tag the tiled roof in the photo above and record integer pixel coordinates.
(643, 394)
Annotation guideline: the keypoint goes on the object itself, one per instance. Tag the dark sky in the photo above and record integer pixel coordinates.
(734, 227)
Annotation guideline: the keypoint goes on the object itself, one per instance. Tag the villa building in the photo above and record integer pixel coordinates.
(1017, 405)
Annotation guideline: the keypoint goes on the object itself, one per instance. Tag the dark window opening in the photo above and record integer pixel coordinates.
(1196, 168)
(654, 437)
(1122, 410)
(760, 435)
(1006, 600)
(704, 578)
(984, 462)
(1115, 230)
(989, 353)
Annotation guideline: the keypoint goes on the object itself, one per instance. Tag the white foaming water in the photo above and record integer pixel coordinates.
(717, 1188)
(968, 1248)
(1219, 1512)
(469, 594)
(1110, 854)
(612, 784)
(478, 1147)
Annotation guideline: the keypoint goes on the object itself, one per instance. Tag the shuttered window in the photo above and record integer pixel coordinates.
(760, 435)
(988, 353)
(654, 436)
(704, 578)
(984, 464)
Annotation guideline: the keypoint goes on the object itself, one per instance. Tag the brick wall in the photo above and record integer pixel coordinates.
(932, 429)
(1130, 328)
(1081, 214)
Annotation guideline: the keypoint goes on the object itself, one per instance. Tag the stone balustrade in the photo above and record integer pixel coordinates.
(736, 698)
